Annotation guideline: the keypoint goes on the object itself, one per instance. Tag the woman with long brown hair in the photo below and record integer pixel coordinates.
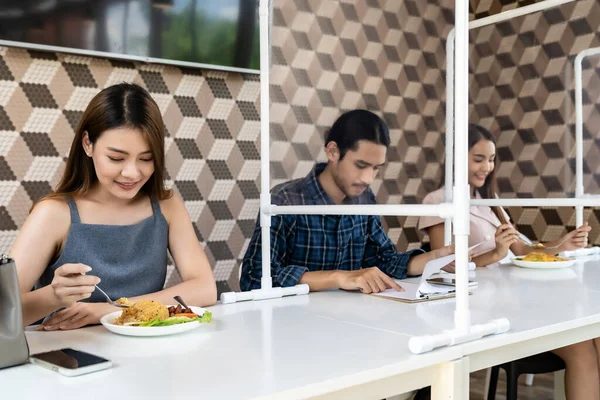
(582, 359)
(110, 221)
(490, 221)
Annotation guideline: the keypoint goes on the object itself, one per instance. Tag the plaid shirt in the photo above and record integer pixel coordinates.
(301, 243)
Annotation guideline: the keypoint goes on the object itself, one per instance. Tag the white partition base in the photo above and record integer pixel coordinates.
(264, 294)
(423, 344)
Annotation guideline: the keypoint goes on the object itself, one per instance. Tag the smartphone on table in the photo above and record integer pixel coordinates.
(70, 362)
(438, 280)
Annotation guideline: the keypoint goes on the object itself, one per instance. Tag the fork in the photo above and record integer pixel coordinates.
(109, 300)
(180, 301)
(538, 245)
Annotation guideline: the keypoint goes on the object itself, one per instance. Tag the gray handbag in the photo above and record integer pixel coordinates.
(13, 344)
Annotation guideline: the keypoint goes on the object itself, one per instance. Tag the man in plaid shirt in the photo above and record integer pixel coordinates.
(336, 251)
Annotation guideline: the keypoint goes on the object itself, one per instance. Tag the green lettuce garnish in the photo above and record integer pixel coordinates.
(205, 318)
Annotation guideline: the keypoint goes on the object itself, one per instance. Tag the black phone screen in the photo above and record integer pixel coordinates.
(69, 358)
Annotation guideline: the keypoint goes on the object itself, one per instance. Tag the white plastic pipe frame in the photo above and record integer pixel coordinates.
(579, 190)
(267, 291)
(450, 56)
(458, 208)
(457, 121)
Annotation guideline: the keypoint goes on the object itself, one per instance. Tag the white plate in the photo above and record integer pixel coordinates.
(543, 264)
(109, 319)
(547, 275)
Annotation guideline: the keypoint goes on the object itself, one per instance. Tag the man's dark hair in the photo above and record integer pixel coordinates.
(354, 126)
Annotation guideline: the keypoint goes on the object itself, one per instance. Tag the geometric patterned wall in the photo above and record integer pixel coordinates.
(328, 56)
(212, 125)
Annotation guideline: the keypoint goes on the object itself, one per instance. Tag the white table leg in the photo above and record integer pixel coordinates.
(486, 386)
(451, 381)
(529, 379)
(559, 385)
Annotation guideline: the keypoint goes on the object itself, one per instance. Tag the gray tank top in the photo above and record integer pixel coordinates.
(131, 260)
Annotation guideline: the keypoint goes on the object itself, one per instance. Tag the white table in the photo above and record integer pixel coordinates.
(274, 349)
(547, 309)
(336, 344)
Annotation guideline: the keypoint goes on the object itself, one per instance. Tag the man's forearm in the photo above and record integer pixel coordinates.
(416, 265)
(321, 280)
(413, 270)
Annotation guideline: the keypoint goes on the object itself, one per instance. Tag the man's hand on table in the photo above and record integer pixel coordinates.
(367, 280)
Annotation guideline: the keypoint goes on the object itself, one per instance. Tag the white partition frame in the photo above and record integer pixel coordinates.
(581, 200)
(579, 190)
(458, 209)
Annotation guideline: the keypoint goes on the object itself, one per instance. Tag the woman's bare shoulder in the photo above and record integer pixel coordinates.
(53, 212)
(172, 207)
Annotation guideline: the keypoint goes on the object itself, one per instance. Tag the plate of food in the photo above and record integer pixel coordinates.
(153, 318)
(542, 261)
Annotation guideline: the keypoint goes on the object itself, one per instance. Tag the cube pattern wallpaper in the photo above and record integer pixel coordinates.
(328, 56)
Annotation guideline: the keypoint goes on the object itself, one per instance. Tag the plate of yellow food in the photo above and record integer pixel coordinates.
(153, 318)
(542, 261)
